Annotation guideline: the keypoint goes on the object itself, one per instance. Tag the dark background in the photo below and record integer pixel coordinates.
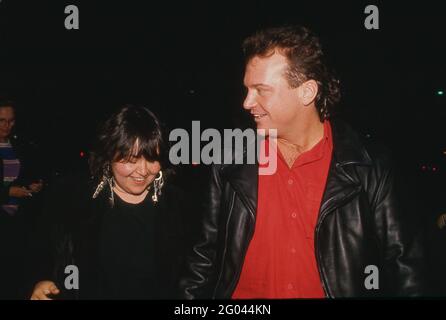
(183, 60)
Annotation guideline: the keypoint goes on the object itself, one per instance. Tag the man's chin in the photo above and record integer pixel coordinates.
(266, 131)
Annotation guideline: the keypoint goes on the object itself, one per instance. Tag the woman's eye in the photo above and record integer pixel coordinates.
(131, 160)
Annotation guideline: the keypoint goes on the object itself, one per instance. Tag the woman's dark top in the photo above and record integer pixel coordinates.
(128, 251)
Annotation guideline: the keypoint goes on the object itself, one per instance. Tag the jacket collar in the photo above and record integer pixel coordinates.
(347, 150)
(347, 145)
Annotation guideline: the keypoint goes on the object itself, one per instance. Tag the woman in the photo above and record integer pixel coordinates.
(123, 232)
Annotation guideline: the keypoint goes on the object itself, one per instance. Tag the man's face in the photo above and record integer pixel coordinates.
(7, 121)
(271, 101)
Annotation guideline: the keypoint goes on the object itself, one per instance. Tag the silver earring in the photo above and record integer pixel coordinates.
(107, 178)
(157, 186)
(111, 199)
(99, 188)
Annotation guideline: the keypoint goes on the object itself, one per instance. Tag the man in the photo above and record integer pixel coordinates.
(327, 216)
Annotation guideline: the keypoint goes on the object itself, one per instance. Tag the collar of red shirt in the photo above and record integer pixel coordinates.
(314, 154)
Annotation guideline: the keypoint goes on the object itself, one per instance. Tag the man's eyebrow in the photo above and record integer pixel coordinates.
(260, 85)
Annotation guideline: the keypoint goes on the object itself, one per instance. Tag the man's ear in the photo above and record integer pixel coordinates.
(308, 92)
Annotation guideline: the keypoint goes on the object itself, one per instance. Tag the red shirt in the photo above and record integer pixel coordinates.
(280, 261)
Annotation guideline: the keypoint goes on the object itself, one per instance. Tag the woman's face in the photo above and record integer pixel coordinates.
(135, 175)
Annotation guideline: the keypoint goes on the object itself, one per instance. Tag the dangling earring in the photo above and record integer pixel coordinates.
(111, 199)
(99, 188)
(107, 177)
(157, 186)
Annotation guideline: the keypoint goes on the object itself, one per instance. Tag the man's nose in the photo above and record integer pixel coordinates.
(250, 101)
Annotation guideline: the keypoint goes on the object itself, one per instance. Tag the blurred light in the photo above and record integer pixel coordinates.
(194, 164)
(434, 169)
(423, 168)
(82, 154)
(440, 92)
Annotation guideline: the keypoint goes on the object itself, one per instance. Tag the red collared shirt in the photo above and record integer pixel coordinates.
(280, 261)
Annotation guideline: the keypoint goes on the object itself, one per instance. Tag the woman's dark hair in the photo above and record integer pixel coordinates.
(305, 57)
(118, 136)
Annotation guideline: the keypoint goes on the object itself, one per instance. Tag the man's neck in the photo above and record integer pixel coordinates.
(300, 139)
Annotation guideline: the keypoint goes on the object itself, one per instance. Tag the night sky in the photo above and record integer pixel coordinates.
(183, 60)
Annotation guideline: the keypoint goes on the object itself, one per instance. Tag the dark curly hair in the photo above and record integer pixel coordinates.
(118, 135)
(305, 57)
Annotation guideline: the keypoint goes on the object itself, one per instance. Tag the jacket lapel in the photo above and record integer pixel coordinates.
(244, 177)
(244, 180)
(341, 185)
(348, 151)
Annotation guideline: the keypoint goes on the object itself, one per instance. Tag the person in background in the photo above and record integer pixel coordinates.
(18, 185)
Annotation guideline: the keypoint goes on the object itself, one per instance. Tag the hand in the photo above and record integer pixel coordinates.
(19, 192)
(36, 186)
(44, 288)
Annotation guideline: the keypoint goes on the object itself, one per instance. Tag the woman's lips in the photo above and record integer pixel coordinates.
(138, 180)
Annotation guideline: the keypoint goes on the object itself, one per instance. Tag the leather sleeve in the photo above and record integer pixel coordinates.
(198, 281)
(399, 234)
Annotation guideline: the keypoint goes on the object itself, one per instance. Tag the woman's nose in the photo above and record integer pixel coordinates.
(142, 167)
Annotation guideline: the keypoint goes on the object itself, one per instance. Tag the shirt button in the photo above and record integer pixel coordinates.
(290, 181)
(290, 286)
(294, 215)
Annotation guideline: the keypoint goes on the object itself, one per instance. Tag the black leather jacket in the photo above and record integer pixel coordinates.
(361, 222)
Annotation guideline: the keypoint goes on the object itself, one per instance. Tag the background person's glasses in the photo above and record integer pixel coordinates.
(7, 122)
